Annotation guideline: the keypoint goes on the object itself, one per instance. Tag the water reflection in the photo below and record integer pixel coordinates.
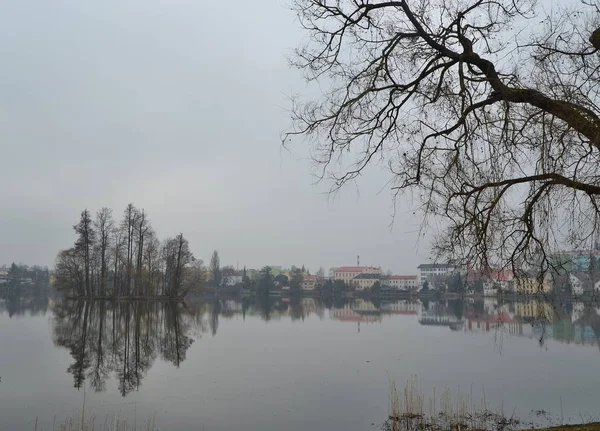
(18, 306)
(122, 340)
(564, 321)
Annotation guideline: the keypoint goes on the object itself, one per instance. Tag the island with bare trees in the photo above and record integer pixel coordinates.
(125, 259)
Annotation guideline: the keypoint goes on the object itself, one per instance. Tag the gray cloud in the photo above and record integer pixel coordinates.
(177, 107)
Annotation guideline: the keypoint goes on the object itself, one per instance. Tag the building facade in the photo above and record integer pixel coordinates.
(432, 271)
(576, 260)
(308, 282)
(348, 273)
(233, 279)
(365, 281)
(400, 282)
(532, 285)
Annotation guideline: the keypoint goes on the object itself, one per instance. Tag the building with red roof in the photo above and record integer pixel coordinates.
(348, 273)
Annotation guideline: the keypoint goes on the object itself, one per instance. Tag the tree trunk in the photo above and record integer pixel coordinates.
(595, 38)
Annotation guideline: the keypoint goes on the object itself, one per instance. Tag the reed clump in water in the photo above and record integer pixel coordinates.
(110, 424)
(411, 411)
(114, 423)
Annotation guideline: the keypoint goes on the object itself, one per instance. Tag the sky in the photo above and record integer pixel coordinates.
(176, 106)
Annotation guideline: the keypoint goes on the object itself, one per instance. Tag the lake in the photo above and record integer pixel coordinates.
(275, 364)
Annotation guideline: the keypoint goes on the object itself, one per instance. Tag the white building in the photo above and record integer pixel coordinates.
(497, 281)
(400, 282)
(432, 271)
(308, 282)
(232, 280)
(577, 283)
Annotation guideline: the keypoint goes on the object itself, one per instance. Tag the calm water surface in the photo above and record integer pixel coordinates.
(272, 364)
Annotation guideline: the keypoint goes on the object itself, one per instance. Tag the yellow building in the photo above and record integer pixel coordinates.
(532, 285)
(365, 281)
(347, 273)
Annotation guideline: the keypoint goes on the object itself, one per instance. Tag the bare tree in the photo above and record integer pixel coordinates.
(227, 274)
(83, 244)
(142, 226)
(195, 275)
(128, 226)
(490, 119)
(84, 269)
(296, 279)
(117, 235)
(320, 274)
(104, 225)
(69, 273)
(152, 260)
(177, 255)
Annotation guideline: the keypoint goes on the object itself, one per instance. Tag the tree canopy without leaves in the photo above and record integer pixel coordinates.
(485, 110)
(125, 259)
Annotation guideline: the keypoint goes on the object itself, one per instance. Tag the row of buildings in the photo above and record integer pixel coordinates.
(358, 277)
(6, 277)
(577, 278)
(449, 277)
(365, 277)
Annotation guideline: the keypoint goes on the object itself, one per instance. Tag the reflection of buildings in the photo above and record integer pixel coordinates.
(533, 285)
(309, 305)
(534, 310)
(582, 332)
(583, 326)
(401, 307)
(576, 322)
(357, 311)
(486, 322)
(439, 314)
(427, 318)
(235, 307)
(365, 311)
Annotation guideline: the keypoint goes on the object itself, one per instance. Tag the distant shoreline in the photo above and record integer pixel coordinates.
(315, 294)
(124, 298)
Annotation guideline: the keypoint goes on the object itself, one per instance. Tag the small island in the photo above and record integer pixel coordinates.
(125, 260)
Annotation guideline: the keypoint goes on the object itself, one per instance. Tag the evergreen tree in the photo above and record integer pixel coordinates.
(215, 269)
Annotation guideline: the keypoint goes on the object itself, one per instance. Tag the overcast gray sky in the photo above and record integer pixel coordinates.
(176, 106)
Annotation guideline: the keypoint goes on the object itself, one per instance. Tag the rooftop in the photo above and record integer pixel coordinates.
(368, 276)
(401, 277)
(354, 268)
(435, 265)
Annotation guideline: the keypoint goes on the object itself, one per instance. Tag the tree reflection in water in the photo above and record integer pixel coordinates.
(121, 339)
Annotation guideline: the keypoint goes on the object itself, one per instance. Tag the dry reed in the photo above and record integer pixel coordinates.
(411, 412)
